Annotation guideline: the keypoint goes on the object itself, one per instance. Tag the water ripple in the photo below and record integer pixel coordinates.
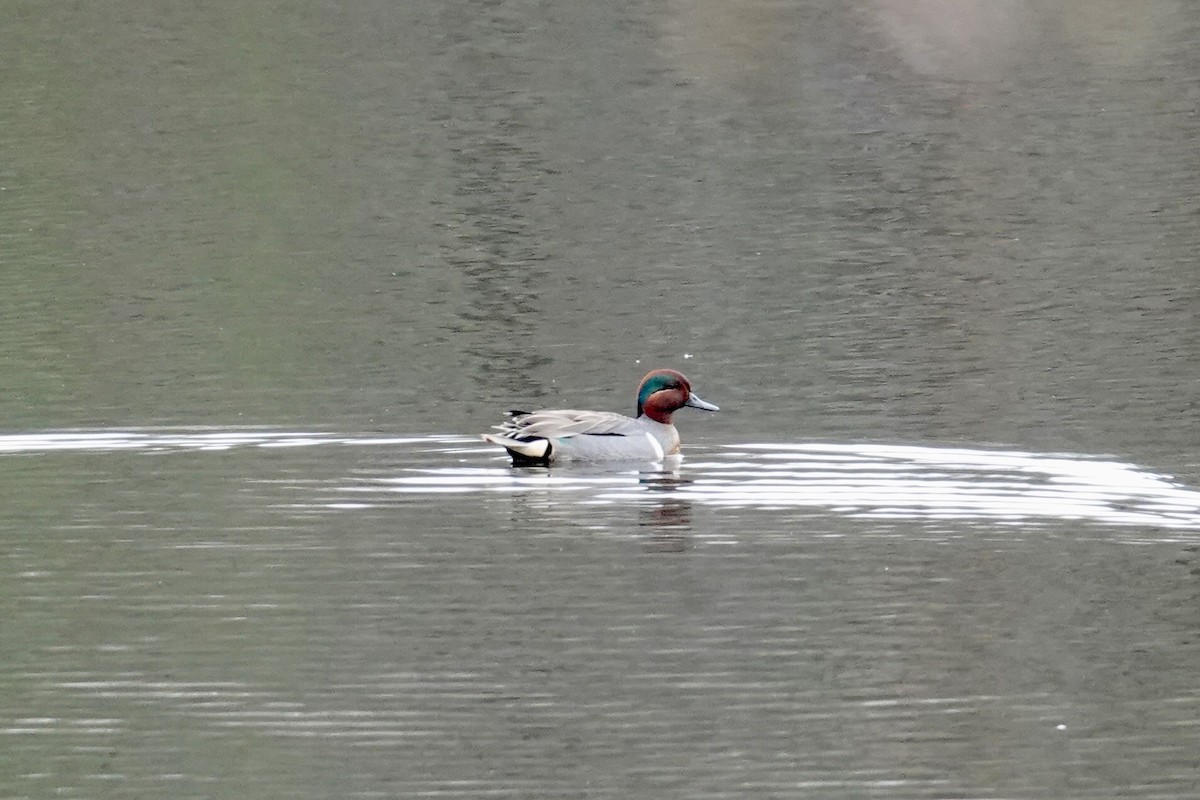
(875, 481)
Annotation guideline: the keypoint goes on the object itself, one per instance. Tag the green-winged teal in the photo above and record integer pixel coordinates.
(553, 435)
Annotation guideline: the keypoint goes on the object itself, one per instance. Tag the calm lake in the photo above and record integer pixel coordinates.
(270, 269)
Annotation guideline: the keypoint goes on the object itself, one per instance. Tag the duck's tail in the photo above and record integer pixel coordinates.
(522, 449)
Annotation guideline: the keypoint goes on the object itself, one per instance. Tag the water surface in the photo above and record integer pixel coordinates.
(358, 610)
(268, 269)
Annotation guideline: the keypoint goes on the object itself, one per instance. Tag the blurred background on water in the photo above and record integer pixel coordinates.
(946, 224)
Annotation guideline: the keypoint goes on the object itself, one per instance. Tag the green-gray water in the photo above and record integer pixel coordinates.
(268, 268)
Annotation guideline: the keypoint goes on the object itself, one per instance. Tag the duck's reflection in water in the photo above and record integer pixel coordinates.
(669, 520)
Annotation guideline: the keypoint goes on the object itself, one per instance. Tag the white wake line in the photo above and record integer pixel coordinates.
(153, 441)
(862, 480)
(948, 499)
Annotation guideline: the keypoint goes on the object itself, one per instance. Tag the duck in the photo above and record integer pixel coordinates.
(541, 438)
